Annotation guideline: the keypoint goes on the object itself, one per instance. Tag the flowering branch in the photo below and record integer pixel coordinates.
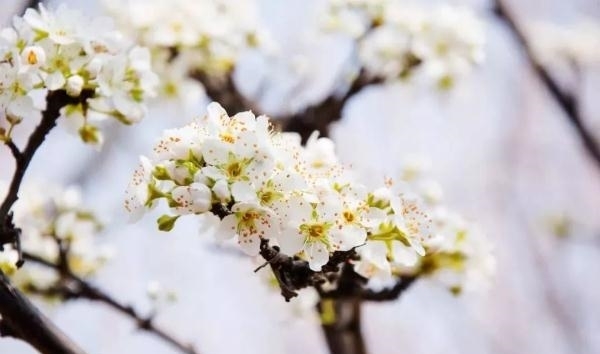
(74, 287)
(566, 101)
(55, 100)
(19, 316)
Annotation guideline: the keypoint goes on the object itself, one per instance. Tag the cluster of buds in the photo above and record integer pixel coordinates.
(188, 37)
(62, 50)
(55, 228)
(261, 186)
(398, 39)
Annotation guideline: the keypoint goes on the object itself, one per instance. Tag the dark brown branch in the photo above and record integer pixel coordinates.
(20, 319)
(566, 101)
(316, 117)
(14, 149)
(343, 334)
(392, 293)
(78, 288)
(224, 91)
(293, 274)
(321, 115)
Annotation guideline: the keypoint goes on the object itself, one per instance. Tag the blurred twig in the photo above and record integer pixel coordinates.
(30, 4)
(74, 287)
(567, 101)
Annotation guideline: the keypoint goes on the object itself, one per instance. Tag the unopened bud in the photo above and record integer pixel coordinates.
(74, 85)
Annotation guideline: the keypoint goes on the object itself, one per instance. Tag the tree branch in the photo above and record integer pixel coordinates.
(392, 293)
(294, 274)
(224, 91)
(321, 115)
(78, 288)
(20, 319)
(343, 333)
(567, 102)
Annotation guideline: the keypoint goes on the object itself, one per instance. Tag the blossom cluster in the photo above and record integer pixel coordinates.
(62, 50)
(458, 256)
(55, 227)
(259, 184)
(266, 185)
(188, 37)
(399, 39)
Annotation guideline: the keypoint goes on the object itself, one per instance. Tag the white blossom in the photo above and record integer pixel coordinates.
(267, 186)
(188, 37)
(50, 218)
(61, 49)
(398, 39)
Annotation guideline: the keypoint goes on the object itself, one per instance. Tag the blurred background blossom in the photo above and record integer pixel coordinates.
(503, 153)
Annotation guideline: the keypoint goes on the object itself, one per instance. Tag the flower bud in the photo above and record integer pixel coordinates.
(74, 85)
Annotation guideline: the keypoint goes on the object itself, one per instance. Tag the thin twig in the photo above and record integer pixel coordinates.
(30, 4)
(14, 149)
(84, 290)
(567, 102)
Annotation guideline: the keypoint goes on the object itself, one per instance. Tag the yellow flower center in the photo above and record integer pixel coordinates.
(349, 216)
(316, 231)
(234, 169)
(32, 58)
(227, 137)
